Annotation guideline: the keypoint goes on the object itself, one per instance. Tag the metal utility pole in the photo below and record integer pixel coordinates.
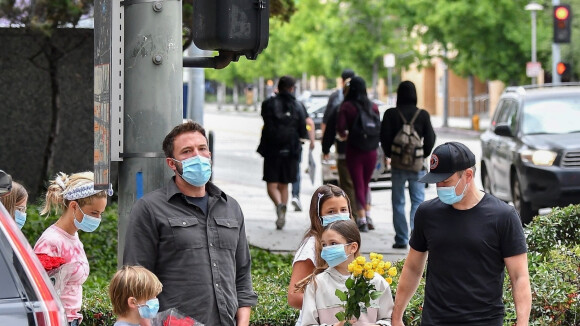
(196, 87)
(153, 98)
(556, 80)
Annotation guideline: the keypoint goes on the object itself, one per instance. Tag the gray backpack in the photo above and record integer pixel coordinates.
(407, 147)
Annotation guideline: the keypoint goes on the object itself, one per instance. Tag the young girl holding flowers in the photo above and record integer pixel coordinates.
(329, 203)
(340, 242)
(81, 207)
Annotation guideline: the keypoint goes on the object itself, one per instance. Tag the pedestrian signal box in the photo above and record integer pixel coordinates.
(563, 69)
(238, 26)
(562, 23)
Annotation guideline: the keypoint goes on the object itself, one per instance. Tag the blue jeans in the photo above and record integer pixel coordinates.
(296, 184)
(417, 193)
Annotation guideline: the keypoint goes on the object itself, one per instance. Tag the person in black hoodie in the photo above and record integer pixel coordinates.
(390, 126)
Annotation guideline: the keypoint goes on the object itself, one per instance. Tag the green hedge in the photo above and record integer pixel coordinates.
(554, 265)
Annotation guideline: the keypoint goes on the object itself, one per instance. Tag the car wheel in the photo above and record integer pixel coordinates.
(486, 181)
(523, 207)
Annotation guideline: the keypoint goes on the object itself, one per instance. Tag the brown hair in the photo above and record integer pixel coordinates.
(188, 126)
(132, 281)
(321, 195)
(349, 230)
(16, 195)
(54, 199)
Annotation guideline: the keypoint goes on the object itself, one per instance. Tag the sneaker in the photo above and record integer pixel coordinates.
(370, 223)
(362, 225)
(297, 205)
(281, 212)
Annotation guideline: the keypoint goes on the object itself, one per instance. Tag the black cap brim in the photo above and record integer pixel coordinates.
(435, 177)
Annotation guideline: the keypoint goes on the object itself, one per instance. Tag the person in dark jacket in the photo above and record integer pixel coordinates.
(390, 126)
(360, 163)
(329, 139)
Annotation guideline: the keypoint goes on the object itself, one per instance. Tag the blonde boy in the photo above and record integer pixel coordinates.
(133, 292)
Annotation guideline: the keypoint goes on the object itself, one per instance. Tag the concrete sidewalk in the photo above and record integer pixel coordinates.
(260, 213)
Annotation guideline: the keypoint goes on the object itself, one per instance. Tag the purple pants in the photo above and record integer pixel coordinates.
(361, 165)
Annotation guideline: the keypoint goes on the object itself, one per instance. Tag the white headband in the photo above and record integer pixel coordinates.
(84, 191)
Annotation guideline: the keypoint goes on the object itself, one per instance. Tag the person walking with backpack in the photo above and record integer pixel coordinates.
(284, 125)
(359, 122)
(407, 138)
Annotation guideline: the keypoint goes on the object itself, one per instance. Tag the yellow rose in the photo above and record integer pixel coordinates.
(381, 265)
(356, 273)
(379, 257)
(351, 267)
(359, 269)
(369, 275)
(373, 255)
(368, 266)
(393, 271)
(361, 260)
(375, 264)
(388, 264)
(389, 280)
(380, 271)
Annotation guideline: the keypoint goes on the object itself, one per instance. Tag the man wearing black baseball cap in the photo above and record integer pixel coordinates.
(470, 238)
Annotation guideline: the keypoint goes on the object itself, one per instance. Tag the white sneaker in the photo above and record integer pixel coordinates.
(297, 205)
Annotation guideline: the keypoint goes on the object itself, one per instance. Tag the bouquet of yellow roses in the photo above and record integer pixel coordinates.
(359, 290)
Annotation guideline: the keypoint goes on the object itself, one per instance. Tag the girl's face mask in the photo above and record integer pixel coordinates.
(327, 219)
(334, 255)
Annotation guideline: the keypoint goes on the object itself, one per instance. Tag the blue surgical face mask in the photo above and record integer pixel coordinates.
(327, 219)
(448, 195)
(19, 218)
(196, 170)
(88, 223)
(149, 309)
(334, 255)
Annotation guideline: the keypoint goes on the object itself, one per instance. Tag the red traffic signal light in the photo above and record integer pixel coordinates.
(562, 23)
(563, 69)
(561, 13)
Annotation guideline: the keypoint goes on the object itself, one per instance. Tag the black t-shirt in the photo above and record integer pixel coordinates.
(465, 268)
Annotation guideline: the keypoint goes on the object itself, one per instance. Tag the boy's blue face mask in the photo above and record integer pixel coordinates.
(448, 195)
(149, 309)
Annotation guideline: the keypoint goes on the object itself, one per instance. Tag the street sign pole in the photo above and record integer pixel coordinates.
(556, 80)
(153, 98)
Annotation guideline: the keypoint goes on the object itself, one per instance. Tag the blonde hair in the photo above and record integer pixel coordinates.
(64, 183)
(15, 196)
(132, 281)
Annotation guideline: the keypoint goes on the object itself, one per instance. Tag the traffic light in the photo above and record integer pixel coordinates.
(562, 23)
(563, 69)
(238, 26)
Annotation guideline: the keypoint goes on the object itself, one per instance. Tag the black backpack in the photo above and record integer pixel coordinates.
(407, 147)
(282, 136)
(365, 132)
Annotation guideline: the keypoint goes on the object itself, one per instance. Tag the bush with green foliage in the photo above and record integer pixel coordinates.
(554, 266)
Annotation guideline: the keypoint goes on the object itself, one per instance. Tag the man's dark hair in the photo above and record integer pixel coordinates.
(346, 74)
(286, 83)
(188, 126)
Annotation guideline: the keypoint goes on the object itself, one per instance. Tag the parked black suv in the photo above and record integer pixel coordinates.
(531, 152)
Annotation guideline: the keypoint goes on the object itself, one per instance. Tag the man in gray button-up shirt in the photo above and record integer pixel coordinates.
(192, 236)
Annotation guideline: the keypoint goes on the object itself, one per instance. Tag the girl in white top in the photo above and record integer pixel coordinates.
(341, 244)
(329, 203)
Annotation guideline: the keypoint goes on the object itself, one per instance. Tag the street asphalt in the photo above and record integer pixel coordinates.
(260, 213)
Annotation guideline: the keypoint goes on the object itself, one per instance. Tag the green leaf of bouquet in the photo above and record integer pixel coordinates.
(340, 294)
(376, 294)
(340, 315)
(349, 283)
